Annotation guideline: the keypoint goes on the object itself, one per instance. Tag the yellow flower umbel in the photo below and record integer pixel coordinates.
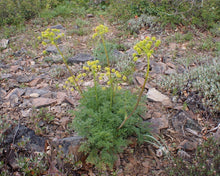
(50, 36)
(143, 48)
(100, 31)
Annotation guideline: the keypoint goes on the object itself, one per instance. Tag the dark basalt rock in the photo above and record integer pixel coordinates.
(82, 57)
(11, 147)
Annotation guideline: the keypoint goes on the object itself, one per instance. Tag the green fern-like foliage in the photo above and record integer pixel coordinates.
(97, 122)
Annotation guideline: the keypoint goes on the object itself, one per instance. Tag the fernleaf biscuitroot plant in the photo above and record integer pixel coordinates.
(98, 124)
(108, 114)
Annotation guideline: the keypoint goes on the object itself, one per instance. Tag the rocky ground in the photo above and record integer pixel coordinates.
(37, 108)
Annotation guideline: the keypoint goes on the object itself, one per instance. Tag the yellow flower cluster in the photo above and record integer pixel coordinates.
(50, 36)
(93, 65)
(146, 47)
(100, 31)
(71, 82)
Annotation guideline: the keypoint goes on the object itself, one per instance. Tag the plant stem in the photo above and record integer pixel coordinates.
(110, 78)
(106, 53)
(71, 73)
(95, 84)
(140, 95)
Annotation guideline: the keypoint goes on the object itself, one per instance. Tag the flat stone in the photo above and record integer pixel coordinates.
(34, 95)
(188, 146)
(35, 82)
(90, 15)
(20, 52)
(41, 92)
(26, 113)
(216, 136)
(42, 102)
(2, 93)
(5, 75)
(157, 124)
(156, 96)
(15, 68)
(4, 43)
(61, 97)
(24, 78)
(171, 65)
(69, 146)
(156, 115)
(182, 120)
(18, 91)
(184, 155)
(57, 59)
(130, 52)
(170, 71)
(58, 26)
(158, 67)
(52, 49)
(13, 100)
(140, 81)
(14, 136)
(82, 57)
(26, 104)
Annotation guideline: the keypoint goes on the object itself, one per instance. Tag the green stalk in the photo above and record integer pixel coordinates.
(112, 88)
(140, 95)
(95, 84)
(71, 73)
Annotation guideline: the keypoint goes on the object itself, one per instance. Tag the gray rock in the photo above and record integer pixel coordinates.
(117, 54)
(24, 78)
(43, 102)
(58, 26)
(13, 100)
(34, 95)
(20, 52)
(57, 59)
(5, 75)
(3, 66)
(158, 67)
(156, 96)
(182, 120)
(41, 92)
(2, 93)
(4, 43)
(80, 58)
(52, 49)
(69, 146)
(216, 136)
(170, 71)
(26, 104)
(157, 124)
(188, 146)
(17, 91)
(20, 134)
(184, 155)
(130, 52)
(26, 113)
(90, 15)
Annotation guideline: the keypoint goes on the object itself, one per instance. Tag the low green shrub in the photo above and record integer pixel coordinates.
(203, 14)
(17, 11)
(98, 124)
(136, 23)
(204, 80)
(206, 161)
